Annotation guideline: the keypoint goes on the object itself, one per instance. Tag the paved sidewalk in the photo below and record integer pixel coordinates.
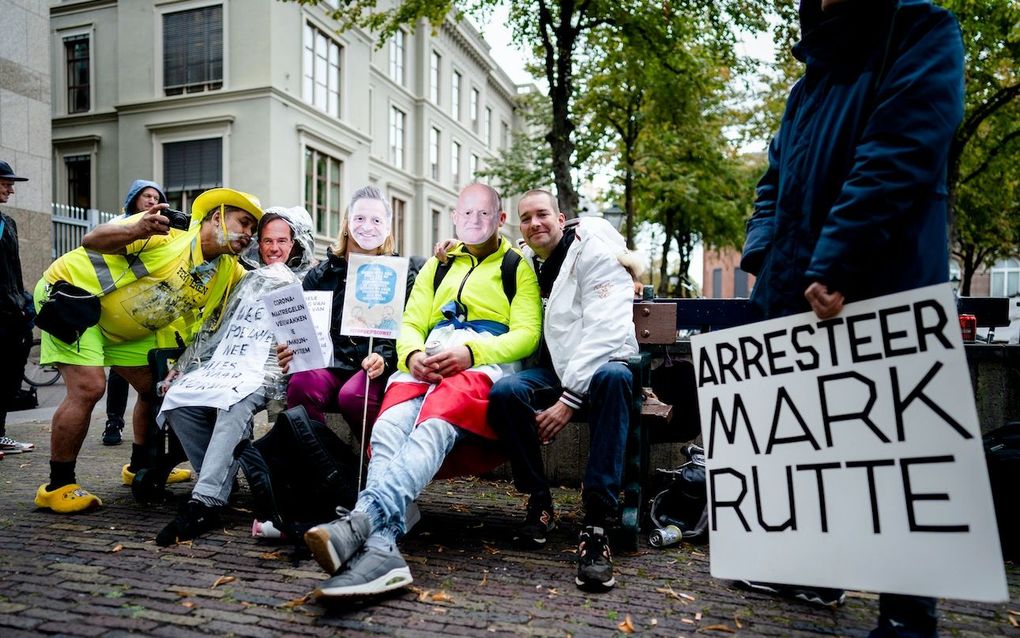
(101, 574)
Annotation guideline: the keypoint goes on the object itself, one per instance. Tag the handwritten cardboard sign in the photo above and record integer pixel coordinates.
(292, 323)
(847, 452)
(237, 367)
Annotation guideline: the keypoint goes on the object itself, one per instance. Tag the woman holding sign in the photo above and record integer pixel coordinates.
(365, 230)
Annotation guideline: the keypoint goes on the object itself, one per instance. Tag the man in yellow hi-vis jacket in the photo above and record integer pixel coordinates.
(154, 282)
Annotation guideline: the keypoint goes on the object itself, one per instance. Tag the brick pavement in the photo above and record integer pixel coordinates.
(102, 575)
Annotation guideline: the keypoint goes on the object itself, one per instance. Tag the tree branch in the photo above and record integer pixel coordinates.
(991, 156)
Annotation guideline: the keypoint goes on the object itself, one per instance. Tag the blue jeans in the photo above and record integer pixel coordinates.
(404, 460)
(513, 402)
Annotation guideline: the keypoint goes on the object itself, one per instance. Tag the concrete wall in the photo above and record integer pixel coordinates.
(25, 126)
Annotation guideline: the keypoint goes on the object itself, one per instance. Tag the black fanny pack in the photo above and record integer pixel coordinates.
(68, 312)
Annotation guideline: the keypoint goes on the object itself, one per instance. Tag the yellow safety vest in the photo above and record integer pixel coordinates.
(162, 284)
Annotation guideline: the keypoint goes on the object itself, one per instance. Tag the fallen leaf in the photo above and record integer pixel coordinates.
(490, 550)
(697, 616)
(270, 555)
(627, 626)
(297, 602)
(737, 621)
(187, 603)
(1013, 621)
(223, 580)
(723, 628)
(687, 621)
(485, 578)
(423, 594)
(1015, 613)
(24, 465)
(460, 507)
(553, 592)
(442, 597)
(686, 596)
(116, 548)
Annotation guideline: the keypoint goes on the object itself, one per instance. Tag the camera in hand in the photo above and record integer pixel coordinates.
(178, 219)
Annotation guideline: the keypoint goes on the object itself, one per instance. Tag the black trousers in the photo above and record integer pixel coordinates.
(116, 396)
(16, 337)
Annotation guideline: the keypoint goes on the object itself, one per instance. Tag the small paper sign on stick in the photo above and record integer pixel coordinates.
(292, 323)
(374, 298)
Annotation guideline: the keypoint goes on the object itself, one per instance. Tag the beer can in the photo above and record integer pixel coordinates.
(433, 347)
(665, 536)
(968, 328)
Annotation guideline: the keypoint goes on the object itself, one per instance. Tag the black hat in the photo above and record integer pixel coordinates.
(6, 172)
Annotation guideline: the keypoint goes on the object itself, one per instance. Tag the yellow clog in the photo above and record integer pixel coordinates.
(67, 499)
(177, 475)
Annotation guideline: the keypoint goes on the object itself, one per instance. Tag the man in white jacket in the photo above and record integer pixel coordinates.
(588, 326)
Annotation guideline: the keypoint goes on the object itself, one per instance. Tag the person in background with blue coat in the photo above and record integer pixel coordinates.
(853, 204)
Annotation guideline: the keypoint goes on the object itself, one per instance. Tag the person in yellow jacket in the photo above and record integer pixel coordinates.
(456, 340)
(155, 285)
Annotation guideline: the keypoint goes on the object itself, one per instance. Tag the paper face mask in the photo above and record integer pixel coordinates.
(369, 223)
(475, 226)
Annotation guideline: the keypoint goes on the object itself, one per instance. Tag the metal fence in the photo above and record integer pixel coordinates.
(70, 223)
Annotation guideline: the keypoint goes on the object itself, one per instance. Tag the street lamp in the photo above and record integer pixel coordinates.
(614, 215)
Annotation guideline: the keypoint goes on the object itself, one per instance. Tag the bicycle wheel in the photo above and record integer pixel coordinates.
(36, 375)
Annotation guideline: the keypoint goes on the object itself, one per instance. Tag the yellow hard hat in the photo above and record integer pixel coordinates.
(211, 200)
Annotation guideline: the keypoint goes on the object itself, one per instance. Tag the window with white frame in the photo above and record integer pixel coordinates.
(434, 153)
(434, 77)
(473, 109)
(1005, 278)
(504, 134)
(322, 64)
(487, 127)
(397, 49)
(397, 122)
(399, 213)
(473, 167)
(78, 170)
(436, 218)
(455, 164)
(191, 167)
(193, 50)
(323, 197)
(455, 95)
(77, 58)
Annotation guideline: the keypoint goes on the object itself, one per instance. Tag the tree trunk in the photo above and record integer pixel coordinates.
(559, 60)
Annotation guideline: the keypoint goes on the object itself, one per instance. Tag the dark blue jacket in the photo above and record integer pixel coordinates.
(855, 192)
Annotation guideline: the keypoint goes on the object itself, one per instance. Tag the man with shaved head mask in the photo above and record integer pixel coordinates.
(457, 339)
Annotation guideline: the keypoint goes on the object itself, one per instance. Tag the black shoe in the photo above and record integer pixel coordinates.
(594, 561)
(193, 520)
(540, 520)
(824, 596)
(111, 435)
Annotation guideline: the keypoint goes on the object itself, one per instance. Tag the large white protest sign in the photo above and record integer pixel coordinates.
(847, 452)
(374, 297)
(237, 367)
(293, 325)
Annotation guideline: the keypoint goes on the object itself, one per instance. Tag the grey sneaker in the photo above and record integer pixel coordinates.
(333, 544)
(373, 571)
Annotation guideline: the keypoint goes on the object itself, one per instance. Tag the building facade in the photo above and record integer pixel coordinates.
(25, 126)
(264, 96)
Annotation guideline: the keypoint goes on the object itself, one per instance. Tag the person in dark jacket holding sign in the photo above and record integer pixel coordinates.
(853, 204)
(365, 230)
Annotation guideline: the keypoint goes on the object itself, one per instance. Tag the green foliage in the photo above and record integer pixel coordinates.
(984, 176)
